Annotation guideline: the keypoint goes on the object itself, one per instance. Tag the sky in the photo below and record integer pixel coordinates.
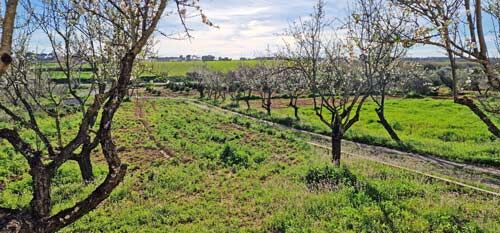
(248, 27)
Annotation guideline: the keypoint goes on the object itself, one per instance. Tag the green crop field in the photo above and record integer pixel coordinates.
(429, 126)
(168, 69)
(230, 174)
(179, 69)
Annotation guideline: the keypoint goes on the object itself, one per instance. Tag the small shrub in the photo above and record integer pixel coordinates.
(329, 177)
(231, 157)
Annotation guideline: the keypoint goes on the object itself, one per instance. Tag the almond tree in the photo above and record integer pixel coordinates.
(111, 34)
(374, 26)
(235, 86)
(339, 92)
(456, 26)
(266, 81)
(333, 71)
(199, 75)
(215, 84)
(293, 84)
(246, 76)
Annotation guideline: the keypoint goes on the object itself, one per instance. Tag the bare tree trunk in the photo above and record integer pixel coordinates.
(263, 100)
(267, 102)
(85, 165)
(201, 90)
(336, 142)
(296, 109)
(223, 94)
(387, 126)
(484, 118)
(296, 112)
(336, 149)
(247, 100)
(7, 33)
(453, 65)
(41, 202)
(268, 106)
(293, 104)
(238, 97)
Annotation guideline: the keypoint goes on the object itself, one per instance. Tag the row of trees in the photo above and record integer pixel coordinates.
(107, 36)
(343, 63)
(265, 80)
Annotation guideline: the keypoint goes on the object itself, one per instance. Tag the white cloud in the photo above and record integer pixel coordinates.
(247, 28)
(244, 30)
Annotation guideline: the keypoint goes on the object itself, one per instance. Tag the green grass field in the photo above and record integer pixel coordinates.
(230, 174)
(429, 126)
(171, 69)
(179, 69)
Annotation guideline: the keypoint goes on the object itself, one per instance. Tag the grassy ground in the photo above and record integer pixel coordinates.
(230, 174)
(430, 126)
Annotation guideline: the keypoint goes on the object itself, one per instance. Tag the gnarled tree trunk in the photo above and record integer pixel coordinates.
(85, 165)
(337, 136)
(385, 123)
(247, 100)
(293, 104)
(266, 102)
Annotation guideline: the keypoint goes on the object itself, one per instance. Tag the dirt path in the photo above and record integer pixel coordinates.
(139, 113)
(470, 176)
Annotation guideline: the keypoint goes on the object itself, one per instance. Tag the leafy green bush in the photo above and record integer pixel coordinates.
(230, 157)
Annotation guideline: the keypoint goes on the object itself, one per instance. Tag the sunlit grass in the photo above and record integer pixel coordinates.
(199, 191)
(430, 126)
